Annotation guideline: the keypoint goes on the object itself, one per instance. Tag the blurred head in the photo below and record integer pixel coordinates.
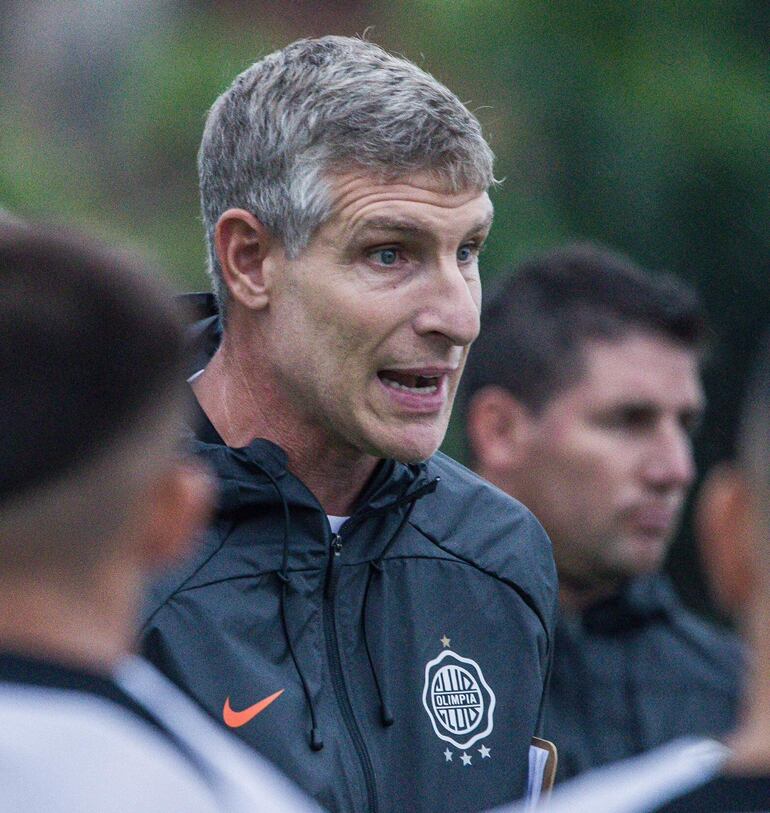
(733, 509)
(90, 369)
(344, 195)
(580, 397)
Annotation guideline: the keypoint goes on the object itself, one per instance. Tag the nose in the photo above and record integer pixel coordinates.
(450, 303)
(669, 464)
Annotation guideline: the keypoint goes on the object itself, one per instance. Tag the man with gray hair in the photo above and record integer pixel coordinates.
(365, 612)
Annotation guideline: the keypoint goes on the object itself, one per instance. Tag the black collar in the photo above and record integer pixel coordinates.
(31, 671)
(26, 670)
(638, 603)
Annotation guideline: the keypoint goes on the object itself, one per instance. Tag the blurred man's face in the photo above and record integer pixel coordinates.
(371, 324)
(607, 464)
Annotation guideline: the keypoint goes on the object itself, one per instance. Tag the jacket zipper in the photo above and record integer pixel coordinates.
(335, 668)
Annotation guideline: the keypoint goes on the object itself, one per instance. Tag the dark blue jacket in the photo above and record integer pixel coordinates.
(637, 670)
(411, 650)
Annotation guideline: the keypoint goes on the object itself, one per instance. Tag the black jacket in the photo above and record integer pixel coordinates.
(636, 671)
(413, 646)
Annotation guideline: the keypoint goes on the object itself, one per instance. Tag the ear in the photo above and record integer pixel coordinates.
(178, 506)
(723, 522)
(497, 426)
(242, 244)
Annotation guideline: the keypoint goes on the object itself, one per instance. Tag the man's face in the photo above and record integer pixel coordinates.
(607, 464)
(370, 326)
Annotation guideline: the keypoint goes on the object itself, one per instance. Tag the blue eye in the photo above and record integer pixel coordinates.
(465, 254)
(386, 256)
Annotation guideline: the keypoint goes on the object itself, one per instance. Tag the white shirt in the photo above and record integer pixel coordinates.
(639, 784)
(336, 522)
(63, 751)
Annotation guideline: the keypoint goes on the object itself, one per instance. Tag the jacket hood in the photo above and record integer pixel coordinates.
(204, 328)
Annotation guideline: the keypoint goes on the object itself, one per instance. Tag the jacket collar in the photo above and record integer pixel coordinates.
(639, 602)
(241, 470)
(242, 473)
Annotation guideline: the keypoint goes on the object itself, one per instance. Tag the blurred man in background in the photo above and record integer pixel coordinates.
(581, 395)
(94, 496)
(699, 776)
(338, 615)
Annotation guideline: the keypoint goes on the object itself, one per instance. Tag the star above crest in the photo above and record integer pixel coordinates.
(445, 641)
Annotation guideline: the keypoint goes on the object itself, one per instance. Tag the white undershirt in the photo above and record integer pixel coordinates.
(336, 522)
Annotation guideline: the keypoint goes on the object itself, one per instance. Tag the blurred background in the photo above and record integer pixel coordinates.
(644, 125)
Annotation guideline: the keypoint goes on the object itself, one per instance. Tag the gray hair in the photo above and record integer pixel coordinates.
(320, 106)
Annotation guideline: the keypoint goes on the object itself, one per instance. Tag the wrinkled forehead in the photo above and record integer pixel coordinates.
(445, 178)
(406, 203)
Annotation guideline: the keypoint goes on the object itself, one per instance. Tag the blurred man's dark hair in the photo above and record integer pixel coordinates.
(534, 324)
(95, 495)
(91, 356)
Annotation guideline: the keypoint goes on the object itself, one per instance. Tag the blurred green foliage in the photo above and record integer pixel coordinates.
(644, 125)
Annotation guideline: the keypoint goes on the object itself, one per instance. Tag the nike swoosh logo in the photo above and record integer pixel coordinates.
(235, 719)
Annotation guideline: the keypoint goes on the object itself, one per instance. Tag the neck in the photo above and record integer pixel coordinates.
(87, 628)
(236, 393)
(574, 598)
(750, 742)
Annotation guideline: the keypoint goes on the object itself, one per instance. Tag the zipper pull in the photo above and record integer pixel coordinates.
(336, 549)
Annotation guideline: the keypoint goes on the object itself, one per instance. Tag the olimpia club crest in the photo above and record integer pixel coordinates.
(458, 700)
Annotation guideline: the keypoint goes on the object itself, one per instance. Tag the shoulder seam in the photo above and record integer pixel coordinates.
(179, 587)
(523, 594)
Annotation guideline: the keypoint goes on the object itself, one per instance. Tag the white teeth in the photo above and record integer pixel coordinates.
(416, 390)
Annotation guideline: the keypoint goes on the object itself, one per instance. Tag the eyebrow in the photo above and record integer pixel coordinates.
(409, 227)
(483, 225)
(412, 228)
(692, 412)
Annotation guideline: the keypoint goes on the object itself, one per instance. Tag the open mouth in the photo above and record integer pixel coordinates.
(408, 382)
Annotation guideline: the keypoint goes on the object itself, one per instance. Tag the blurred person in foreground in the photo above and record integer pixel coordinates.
(365, 612)
(581, 396)
(702, 776)
(94, 496)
